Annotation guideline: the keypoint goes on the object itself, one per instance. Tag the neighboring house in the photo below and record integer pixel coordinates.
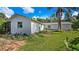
(22, 25)
(54, 25)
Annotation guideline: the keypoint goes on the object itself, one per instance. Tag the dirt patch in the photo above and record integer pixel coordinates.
(11, 45)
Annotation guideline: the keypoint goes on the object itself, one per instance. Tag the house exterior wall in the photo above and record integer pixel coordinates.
(26, 29)
(66, 27)
(54, 26)
(41, 27)
(36, 27)
(63, 26)
(51, 26)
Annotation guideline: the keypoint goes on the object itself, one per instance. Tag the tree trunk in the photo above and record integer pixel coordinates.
(59, 24)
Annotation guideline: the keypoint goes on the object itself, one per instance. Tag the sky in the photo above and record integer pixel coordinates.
(28, 11)
(31, 12)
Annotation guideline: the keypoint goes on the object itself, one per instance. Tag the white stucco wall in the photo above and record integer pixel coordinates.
(54, 26)
(36, 27)
(41, 27)
(66, 27)
(26, 26)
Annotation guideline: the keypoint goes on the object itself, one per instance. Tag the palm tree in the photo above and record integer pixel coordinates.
(68, 13)
(58, 15)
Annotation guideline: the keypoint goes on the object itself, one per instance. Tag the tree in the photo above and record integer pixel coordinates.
(2, 15)
(77, 16)
(58, 15)
(2, 23)
(75, 25)
(53, 17)
(68, 15)
(68, 11)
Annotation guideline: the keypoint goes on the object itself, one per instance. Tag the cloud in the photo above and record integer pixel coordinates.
(28, 10)
(75, 13)
(44, 17)
(35, 17)
(39, 11)
(41, 17)
(7, 11)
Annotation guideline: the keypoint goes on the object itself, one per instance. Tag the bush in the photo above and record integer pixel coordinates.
(74, 43)
(75, 25)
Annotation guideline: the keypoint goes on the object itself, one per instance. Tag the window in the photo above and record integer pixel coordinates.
(19, 25)
(49, 26)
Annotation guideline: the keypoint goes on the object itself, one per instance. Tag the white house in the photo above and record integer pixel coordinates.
(54, 25)
(22, 25)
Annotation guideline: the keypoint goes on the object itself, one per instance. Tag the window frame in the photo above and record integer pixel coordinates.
(19, 24)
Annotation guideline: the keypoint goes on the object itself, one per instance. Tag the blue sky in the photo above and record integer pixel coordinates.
(31, 12)
(38, 11)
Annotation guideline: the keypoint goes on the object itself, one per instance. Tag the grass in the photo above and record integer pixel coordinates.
(48, 41)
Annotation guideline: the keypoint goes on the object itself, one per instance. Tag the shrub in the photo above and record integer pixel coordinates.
(75, 25)
(74, 43)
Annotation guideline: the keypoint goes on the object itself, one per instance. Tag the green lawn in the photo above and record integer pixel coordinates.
(48, 41)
